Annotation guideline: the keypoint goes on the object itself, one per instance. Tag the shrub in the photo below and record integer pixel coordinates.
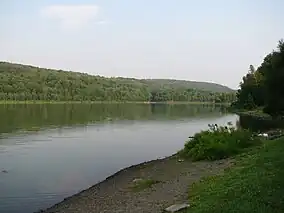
(218, 143)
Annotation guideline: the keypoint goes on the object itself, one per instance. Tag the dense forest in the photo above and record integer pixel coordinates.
(263, 87)
(176, 84)
(22, 83)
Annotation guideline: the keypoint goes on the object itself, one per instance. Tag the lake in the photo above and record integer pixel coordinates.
(51, 151)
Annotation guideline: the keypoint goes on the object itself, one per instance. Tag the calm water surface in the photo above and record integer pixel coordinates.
(49, 152)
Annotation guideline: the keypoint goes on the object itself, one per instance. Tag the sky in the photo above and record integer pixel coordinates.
(203, 40)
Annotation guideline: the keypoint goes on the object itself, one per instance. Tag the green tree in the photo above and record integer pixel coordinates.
(264, 86)
(273, 70)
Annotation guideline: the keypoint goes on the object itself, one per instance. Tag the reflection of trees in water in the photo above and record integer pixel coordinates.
(179, 111)
(30, 116)
(258, 124)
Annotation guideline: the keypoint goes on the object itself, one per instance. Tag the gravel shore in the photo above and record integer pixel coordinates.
(115, 194)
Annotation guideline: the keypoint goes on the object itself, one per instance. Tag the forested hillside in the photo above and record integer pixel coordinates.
(22, 82)
(263, 87)
(171, 83)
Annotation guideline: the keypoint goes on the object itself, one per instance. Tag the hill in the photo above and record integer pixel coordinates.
(24, 82)
(171, 83)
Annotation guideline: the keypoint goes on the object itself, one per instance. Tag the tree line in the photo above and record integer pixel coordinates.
(23, 83)
(263, 87)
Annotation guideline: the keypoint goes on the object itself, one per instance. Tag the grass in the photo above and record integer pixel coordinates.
(254, 184)
(144, 184)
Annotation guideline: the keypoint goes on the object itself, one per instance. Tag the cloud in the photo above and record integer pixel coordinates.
(103, 22)
(73, 16)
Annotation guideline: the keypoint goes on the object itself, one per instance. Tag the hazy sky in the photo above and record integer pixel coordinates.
(201, 40)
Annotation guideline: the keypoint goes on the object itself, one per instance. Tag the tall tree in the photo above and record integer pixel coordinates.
(273, 69)
(264, 86)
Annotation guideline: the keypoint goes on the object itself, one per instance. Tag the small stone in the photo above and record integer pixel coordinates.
(136, 180)
(177, 207)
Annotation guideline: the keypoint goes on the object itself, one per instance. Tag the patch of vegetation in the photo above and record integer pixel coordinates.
(176, 84)
(142, 184)
(263, 87)
(27, 83)
(254, 184)
(218, 143)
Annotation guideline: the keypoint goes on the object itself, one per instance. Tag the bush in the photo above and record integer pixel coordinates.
(218, 143)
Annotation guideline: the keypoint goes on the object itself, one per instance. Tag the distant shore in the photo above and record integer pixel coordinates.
(110, 102)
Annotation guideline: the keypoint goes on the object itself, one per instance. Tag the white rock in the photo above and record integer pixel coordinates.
(136, 180)
(177, 207)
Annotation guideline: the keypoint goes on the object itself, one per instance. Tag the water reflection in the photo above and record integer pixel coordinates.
(32, 117)
(259, 125)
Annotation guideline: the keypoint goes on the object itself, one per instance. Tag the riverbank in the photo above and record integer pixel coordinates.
(110, 102)
(254, 184)
(250, 182)
(147, 187)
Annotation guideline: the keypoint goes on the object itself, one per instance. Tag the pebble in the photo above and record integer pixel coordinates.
(136, 180)
(177, 207)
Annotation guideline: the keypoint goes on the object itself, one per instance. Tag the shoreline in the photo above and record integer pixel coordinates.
(135, 166)
(110, 177)
(114, 193)
(109, 102)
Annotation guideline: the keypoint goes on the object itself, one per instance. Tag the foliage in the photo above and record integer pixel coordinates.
(254, 184)
(264, 86)
(250, 94)
(218, 143)
(273, 70)
(156, 84)
(25, 83)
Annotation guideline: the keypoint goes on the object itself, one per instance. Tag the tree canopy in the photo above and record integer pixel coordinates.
(22, 82)
(264, 86)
